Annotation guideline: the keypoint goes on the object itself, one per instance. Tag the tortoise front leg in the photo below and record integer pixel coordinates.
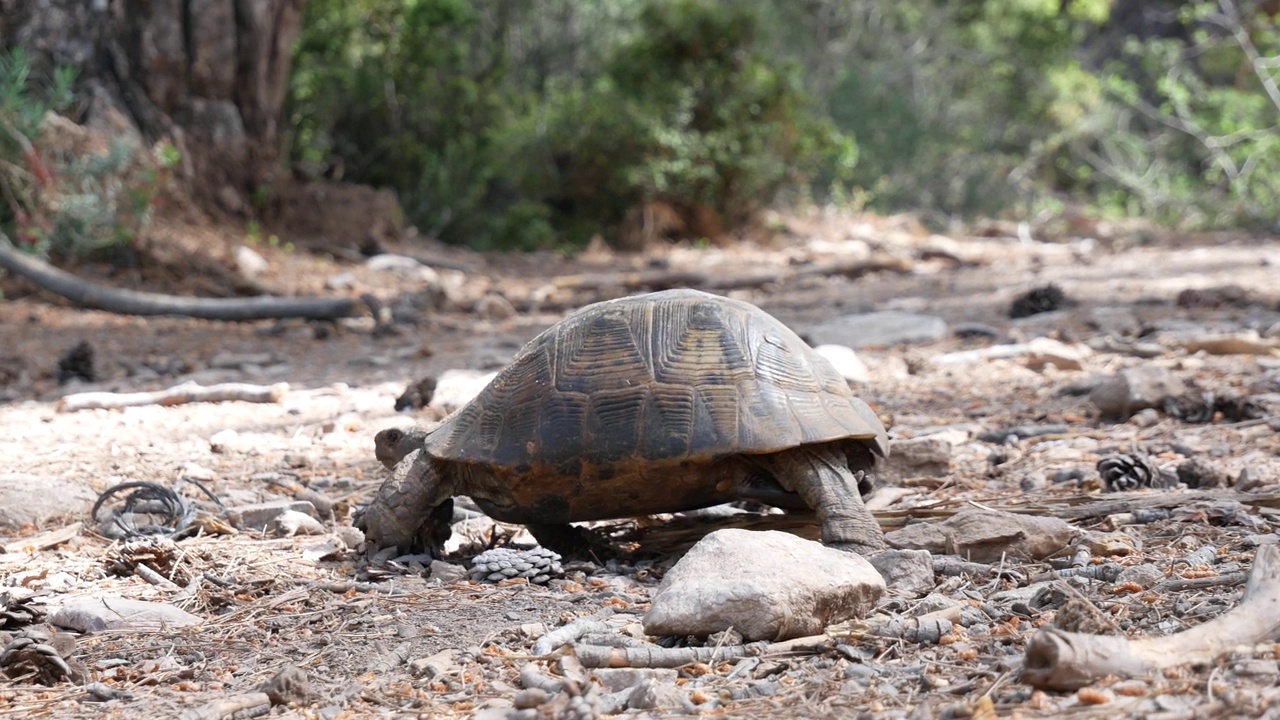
(412, 508)
(820, 475)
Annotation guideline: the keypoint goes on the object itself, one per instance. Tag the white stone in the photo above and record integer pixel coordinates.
(846, 362)
(766, 585)
(293, 522)
(457, 387)
(249, 262)
(341, 281)
(388, 262)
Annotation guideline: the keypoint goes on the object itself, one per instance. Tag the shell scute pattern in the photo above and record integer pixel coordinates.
(682, 376)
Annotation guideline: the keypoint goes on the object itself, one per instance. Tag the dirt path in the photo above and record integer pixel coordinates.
(268, 601)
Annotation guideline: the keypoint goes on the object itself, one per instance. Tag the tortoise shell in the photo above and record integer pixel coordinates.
(676, 376)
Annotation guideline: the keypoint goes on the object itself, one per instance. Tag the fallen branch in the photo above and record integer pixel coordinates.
(603, 656)
(665, 279)
(1066, 661)
(251, 705)
(45, 540)
(187, 392)
(132, 302)
(568, 633)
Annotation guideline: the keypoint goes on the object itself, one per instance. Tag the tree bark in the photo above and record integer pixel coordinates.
(210, 75)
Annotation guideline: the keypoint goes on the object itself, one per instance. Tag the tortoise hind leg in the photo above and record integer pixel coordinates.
(820, 475)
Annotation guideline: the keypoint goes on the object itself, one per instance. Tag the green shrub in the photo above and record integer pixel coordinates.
(492, 143)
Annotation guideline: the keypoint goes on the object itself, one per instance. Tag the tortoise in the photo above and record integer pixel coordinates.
(663, 402)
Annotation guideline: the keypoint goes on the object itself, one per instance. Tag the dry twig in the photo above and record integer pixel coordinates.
(250, 705)
(1066, 661)
(188, 392)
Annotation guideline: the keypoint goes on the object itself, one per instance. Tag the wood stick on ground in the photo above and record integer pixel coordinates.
(1066, 661)
(601, 656)
(664, 279)
(251, 705)
(188, 392)
(44, 540)
(131, 302)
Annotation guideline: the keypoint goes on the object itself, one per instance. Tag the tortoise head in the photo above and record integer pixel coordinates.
(394, 444)
(413, 508)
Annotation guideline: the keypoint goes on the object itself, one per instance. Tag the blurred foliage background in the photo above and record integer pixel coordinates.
(505, 124)
(512, 124)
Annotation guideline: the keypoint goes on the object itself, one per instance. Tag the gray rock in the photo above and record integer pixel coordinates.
(1144, 575)
(447, 572)
(616, 679)
(916, 457)
(433, 666)
(766, 585)
(122, 614)
(37, 499)
(934, 602)
(889, 327)
(846, 362)
(987, 535)
(907, 571)
(1134, 389)
(257, 516)
(651, 695)
(530, 698)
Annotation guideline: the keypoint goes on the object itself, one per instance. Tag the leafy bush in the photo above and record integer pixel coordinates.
(1191, 133)
(503, 123)
(438, 100)
(1015, 105)
(60, 201)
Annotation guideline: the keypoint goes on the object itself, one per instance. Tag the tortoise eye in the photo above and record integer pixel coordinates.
(394, 435)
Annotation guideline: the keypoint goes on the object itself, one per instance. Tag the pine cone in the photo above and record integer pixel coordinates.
(17, 609)
(1238, 408)
(42, 654)
(1199, 407)
(1192, 407)
(1198, 473)
(77, 363)
(1214, 297)
(1038, 300)
(1128, 471)
(537, 565)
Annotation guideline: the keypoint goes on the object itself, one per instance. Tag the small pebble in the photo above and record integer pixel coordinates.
(530, 698)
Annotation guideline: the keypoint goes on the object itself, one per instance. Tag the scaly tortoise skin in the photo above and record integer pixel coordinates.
(655, 403)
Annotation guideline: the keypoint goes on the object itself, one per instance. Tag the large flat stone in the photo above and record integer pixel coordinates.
(123, 615)
(888, 327)
(766, 585)
(36, 499)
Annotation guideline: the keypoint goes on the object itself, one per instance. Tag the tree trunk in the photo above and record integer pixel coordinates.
(210, 75)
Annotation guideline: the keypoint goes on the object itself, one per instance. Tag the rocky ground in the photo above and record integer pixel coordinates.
(1158, 356)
